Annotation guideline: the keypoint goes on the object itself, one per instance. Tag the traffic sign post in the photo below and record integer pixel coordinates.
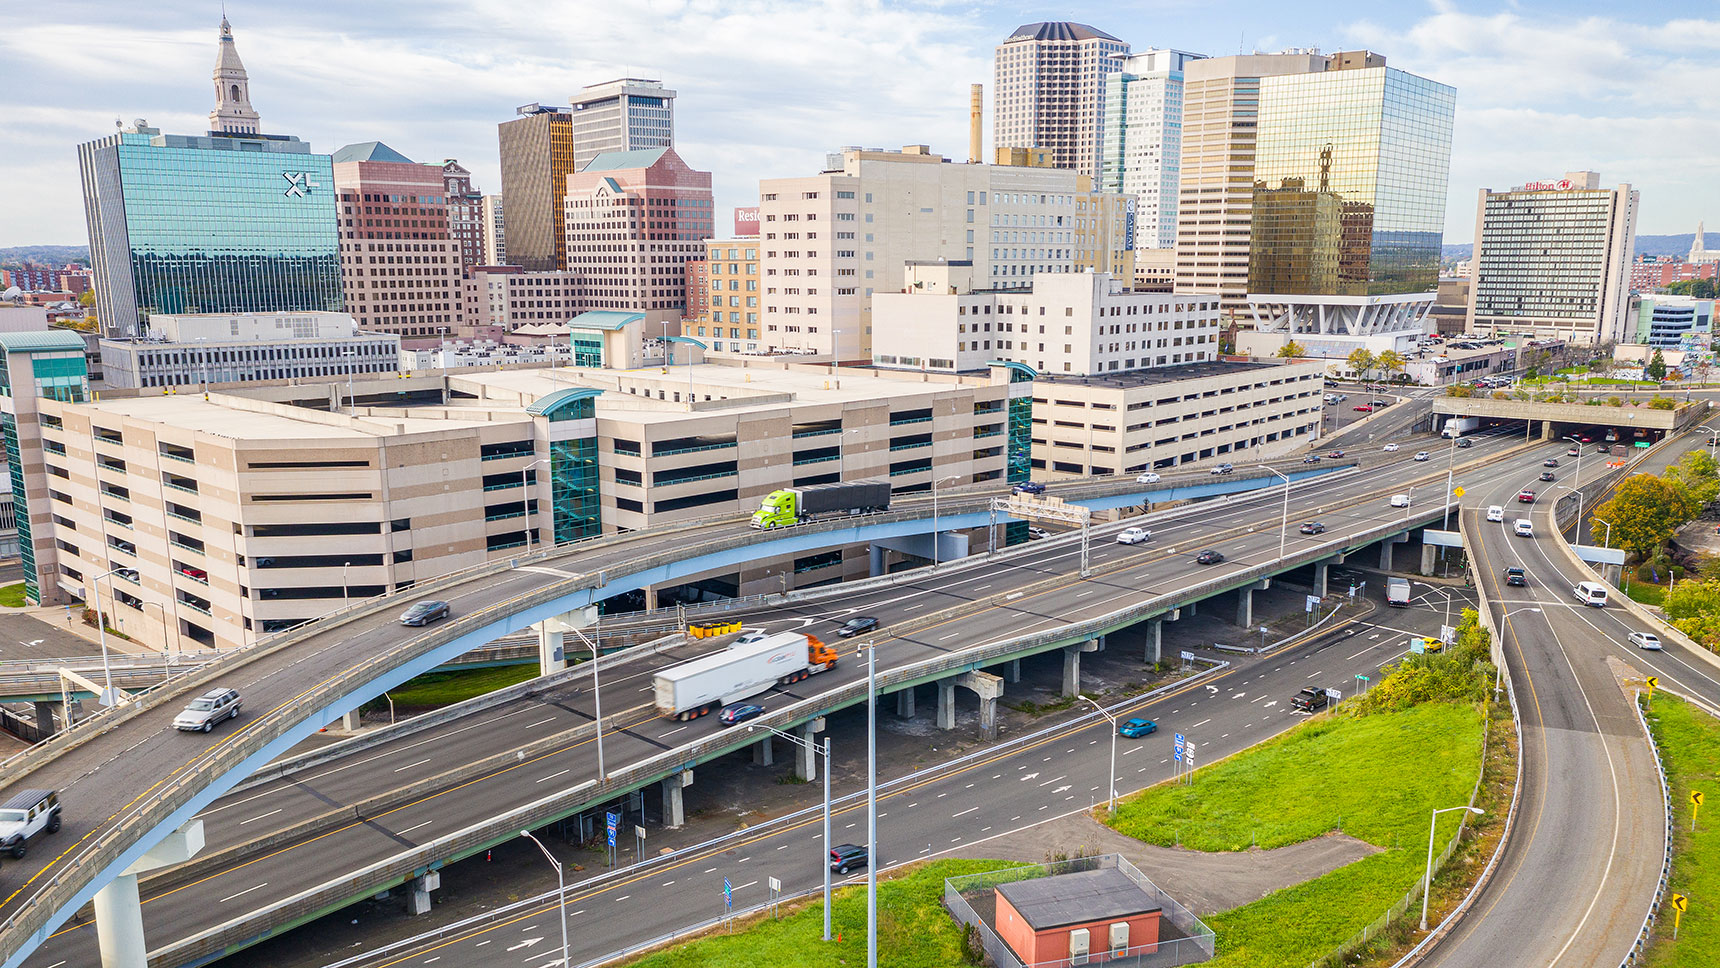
(1177, 754)
(614, 821)
(1334, 695)
(775, 895)
(1695, 805)
(729, 903)
(1364, 683)
(1188, 761)
(1679, 904)
(639, 842)
(1652, 682)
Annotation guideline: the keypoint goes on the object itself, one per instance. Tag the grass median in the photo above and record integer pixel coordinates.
(12, 596)
(1689, 742)
(433, 690)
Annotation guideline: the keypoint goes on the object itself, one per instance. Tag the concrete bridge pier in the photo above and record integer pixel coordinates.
(905, 703)
(805, 759)
(1245, 601)
(947, 704)
(989, 688)
(1012, 670)
(1322, 571)
(119, 911)
(1612, 574)
(1427, 556)
(418, 892)
(877, 557)
(1072, 665)
(1386, 547)
(674, 808)
(560, 635)
(764, 751)
(45, 717)
(1155, 635)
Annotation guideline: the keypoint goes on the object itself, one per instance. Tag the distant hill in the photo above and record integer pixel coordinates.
(47, 255)
(1649, 245)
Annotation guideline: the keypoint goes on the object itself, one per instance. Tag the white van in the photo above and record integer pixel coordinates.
(1495, 513)
(1591, 593)
(1523, 528)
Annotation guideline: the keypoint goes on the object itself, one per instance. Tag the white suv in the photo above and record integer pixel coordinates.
(28, 814)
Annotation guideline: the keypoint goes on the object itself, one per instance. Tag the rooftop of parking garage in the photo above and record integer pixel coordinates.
(238, 417)
(1158, 376)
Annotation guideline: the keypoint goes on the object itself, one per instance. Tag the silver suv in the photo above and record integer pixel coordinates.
(27, 814)
(208, 709)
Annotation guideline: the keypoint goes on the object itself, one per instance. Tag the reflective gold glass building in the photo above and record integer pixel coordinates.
(1350, 173)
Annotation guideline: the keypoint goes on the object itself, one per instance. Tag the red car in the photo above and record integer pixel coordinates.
(1335, 454)
(1526, 496)
(1364, 408)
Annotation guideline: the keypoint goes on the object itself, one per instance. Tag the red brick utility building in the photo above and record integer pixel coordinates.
(1097, 914)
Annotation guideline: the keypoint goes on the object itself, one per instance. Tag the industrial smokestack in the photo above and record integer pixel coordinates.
(976, 101)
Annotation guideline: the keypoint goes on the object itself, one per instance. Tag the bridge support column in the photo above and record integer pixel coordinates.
(905, 703)
(418, 892)
(988, 687)
(1612, 574)
(349, 720)
(1155, 635)
(674, 809)
(1386, 547)
(876, 560)
(805, 760)
(558, 635)
(764, 751)
(119, 911)
(1072, 665)
(1012, 670)
(1245, 601)
(947, 704)
(1322, 571)
(1427, 556)
(45, 718)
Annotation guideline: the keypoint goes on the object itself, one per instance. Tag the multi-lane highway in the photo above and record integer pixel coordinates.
(1121, 575)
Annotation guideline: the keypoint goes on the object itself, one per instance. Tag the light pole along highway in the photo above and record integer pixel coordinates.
(1111, 779)
(825, 749)
(561, 892)
(1427, 875)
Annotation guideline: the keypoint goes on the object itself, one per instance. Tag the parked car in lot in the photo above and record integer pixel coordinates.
(186, 570)
(1495, 513)
(846, 857)
(1516, 578)
(1222, 469)
(739, 712)
(208, 709)
(1364, 408)
(1028, 487)
(1136, 728)
(26, 816)
(1400, 500)
(1548, 476)
(1310, 700)
(1391, 448)
(424, 613)
(856, 625)
(1525, 496)
(1645, 640)
(1147, 478)
(1422, 455)
(1131, 536)
(1313, 527)
(1209, 557)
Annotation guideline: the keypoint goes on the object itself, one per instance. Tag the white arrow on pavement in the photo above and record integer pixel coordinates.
(1270, 704)
(527, 943)
(1031, 776)
(1061, 788)
(1239, 695)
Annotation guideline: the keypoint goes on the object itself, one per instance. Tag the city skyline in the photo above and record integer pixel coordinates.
(1541, 90)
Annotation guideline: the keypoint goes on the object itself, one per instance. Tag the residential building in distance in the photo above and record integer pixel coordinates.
(73, 279)
(1552, 260)
(696, 277)
(198, 350)
(400, 264)
(1648, 274)
(1049, 91)
(634, 219)
(1141, 151)
(501, 299)
(537, 157)
(629, 114)
(231, 221)
(729, 320)
(1669, 321)
(495, 233)
(465, 213)
(829, 241)
(39, 367)
(1077, 324)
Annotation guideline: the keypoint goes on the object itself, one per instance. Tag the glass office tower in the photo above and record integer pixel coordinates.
(1350, 173)
(207, 224)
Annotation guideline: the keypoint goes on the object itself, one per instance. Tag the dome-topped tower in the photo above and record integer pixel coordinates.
(233, 113)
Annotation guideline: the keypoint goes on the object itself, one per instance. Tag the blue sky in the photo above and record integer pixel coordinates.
(768, 86)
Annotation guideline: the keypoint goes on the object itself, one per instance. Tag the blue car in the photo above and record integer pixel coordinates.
(1136, 728)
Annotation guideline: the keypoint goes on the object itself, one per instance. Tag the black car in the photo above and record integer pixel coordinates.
(1550, 462)
(846, 857)
(1311, 459)
(424, 613)
(739, 712)
(1464, 443)
(1029, 487)
(1515, 576)
(1209, 557)
(1313, 527)
(1547, 476)
(856, 625)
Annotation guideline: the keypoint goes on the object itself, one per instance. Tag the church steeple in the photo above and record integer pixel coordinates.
(233, 113)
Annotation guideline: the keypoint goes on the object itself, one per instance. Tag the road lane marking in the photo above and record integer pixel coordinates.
(1201, 723)
(271, 813)
(410, 829)
(964, 812)
(411, 765)
(540, 722)
(243, 892)
(552, 776)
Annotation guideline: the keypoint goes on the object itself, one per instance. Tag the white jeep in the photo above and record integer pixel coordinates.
(28, 814)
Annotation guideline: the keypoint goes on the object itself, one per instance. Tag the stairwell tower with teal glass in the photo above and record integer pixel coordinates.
(568, 422)
(33, 366)
(1018, 460)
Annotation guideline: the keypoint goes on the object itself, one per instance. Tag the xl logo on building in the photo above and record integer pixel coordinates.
(299, 184)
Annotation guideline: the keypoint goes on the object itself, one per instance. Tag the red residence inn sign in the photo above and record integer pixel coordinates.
(746, 221)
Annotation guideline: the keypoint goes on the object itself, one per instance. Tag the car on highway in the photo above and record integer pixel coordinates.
(1313, 527)
(1132, 536)
(1310, 700)
(1525, 496)
(1464, 443)
(1364, 408)
(1391, 448)
(1586, 439)
(424, 613)
(1336, 454)
(26, 816)
(208, 709)
(1400, 500)
(846, 857)
(1523, 528)
(739, 712)
(1209, 557)
(1516, 578)
(1645, 640)
(1495, 513)
(1222, 469)
(1311, 459)
(1574, 452)
(1602, 449)
(752, 635)
(1136, 728)
(1590, 593)
(1422, 455)
(1550, 462)
(1147, 478)
(1548, 476)
(1037, 533)
(1028, 487)
(856, 625)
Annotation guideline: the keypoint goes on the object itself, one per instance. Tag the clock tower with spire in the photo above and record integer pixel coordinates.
(233, 113)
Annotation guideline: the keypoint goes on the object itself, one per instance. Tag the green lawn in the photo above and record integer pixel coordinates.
(1373, 777)
(913, 929)
(12, 596)
(1646, 593)
(446, 688)
(1689, 741)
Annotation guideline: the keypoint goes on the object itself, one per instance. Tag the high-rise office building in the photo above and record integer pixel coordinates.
(400, 266)
(1142, 142)
(537, 157)
(629, 114)
(1313, 193)
(465, 213)
(1049, 91)
(495, 232)
(231, 221)
(1552, 259)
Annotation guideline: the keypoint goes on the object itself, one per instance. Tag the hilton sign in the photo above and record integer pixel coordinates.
(1562, 185)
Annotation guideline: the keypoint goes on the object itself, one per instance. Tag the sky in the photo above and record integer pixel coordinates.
(767, 87)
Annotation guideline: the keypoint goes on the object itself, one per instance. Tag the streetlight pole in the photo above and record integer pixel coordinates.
(560, 890)
(1606, 542)
(526, 495)
(164, 636)
(871, 806)
(345, 585)
(1427, 877)
(1110, 780)
(935, 484)
(351, 363)
(1450, 468)
(1712, 434)
(108, 697)
(825, 749)
(1284, 523)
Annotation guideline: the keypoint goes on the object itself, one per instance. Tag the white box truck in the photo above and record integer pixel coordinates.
(692, 689)
(1458, 426)
(1397, 592)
